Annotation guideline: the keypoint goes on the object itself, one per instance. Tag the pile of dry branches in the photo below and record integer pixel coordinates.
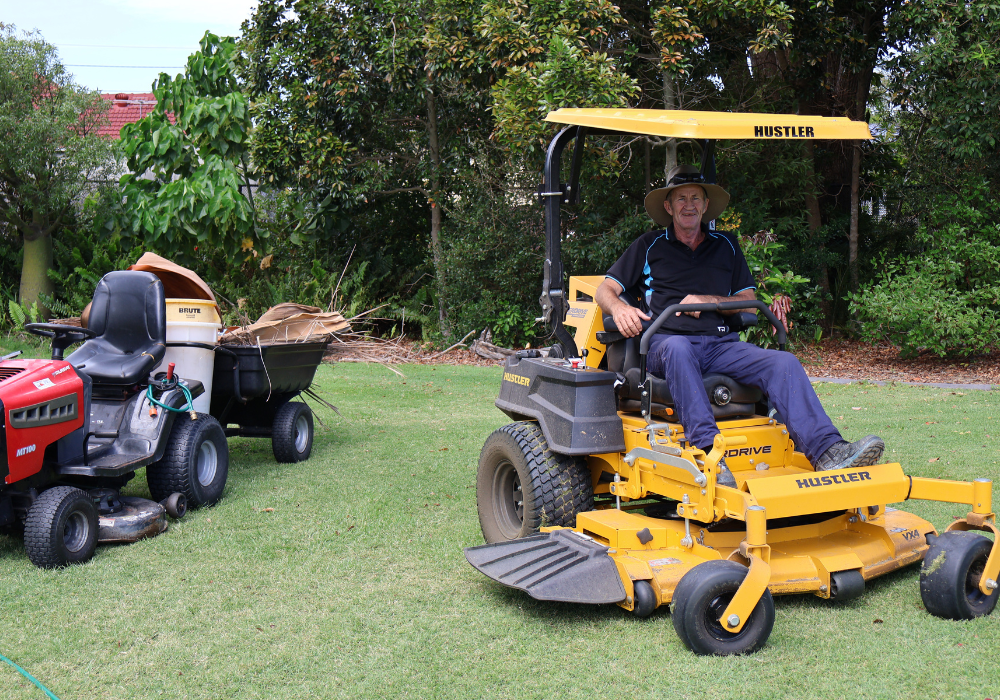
(363, 347)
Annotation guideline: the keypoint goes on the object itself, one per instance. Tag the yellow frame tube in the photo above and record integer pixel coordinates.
(754, 548)
(924, 489)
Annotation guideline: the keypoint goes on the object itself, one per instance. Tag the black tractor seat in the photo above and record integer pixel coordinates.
(129, 315)
(728, 397)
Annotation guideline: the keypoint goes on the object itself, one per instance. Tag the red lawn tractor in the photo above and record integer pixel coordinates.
(75, 430)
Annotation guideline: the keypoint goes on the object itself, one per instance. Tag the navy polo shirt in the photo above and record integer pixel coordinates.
(663, 271)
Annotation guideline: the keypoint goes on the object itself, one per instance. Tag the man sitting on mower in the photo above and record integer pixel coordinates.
(687, 263)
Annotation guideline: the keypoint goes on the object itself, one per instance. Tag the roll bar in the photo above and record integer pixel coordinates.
(554, 193)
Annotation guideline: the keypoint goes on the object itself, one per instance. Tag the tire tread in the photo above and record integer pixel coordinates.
(171, 473)
(38, 527)
(561, 484)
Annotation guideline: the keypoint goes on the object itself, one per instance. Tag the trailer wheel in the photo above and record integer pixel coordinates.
(950, 575)
(292, 433)
(195, 463)
(521, 484)
(61, 528)
(700, 599)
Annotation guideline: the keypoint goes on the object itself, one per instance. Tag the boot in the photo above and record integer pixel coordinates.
(841, 455)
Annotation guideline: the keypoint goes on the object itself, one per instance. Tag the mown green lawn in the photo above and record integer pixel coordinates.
(343, 577)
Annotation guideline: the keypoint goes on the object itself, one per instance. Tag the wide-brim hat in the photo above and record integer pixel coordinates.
(718, 198)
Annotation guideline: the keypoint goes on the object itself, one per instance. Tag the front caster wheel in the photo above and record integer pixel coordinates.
(645, 599)
(950, 575)
(176, 505)
(61, 528)
(700, 599)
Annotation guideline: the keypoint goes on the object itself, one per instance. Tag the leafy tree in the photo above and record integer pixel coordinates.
(49, 152)
(184, 189)
(938, 287)
(551, 55)
(370, 107)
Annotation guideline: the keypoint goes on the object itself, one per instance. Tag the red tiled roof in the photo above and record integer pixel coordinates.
(127, 108)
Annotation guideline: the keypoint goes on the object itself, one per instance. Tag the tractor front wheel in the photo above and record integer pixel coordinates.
(950, 575)
(61, 528)
(701, 597)
(522, 485)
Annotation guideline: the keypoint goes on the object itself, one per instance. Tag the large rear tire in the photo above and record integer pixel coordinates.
(950, 575)
(292, 433)
(522, 485)
(61, 528)
(195, 463)
(700, 599)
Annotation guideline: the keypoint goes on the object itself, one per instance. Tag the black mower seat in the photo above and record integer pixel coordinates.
(129, 315)
(728, 397)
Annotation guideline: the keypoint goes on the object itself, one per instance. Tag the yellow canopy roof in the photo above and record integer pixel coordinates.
(713, 125)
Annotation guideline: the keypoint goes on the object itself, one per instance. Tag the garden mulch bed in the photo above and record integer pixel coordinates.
(846, 359)
(837, 358)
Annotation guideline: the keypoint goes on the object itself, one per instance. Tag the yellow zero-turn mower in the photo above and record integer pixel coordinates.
(594, 496)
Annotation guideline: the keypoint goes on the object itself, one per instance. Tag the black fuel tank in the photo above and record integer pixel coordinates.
(575, 407)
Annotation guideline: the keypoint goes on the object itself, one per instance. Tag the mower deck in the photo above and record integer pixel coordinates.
(803, 555)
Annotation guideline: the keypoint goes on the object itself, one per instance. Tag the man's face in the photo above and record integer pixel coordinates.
(687, 205)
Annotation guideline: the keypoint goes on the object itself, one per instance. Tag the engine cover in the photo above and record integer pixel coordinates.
(42, 401)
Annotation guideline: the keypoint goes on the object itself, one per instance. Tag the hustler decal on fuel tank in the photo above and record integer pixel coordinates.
(516, 378)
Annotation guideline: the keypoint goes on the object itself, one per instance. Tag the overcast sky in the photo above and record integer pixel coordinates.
(156, 35)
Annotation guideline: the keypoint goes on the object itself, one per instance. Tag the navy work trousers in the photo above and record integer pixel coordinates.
(682, 359)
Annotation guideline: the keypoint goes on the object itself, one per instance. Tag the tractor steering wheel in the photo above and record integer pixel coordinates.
(62, 335)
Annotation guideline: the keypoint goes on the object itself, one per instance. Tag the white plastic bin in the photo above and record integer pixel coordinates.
(196, 321)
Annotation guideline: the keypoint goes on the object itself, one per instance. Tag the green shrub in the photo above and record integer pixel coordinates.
(944, 298)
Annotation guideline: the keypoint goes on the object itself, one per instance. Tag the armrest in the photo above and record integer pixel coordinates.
(742, 320)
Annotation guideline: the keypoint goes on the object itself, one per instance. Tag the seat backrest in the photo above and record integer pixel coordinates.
(129, 311)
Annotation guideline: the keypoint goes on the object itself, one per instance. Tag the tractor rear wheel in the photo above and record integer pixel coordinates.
(61, 528)
(950, 575)
(195, 463)
(701, 597)
(522, 485)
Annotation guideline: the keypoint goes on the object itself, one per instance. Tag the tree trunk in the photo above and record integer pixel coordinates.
(436, 249)
(861, 113)
(669, 102)
(815, 224)
(35, 270)
(648, 153)
(852, 235)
